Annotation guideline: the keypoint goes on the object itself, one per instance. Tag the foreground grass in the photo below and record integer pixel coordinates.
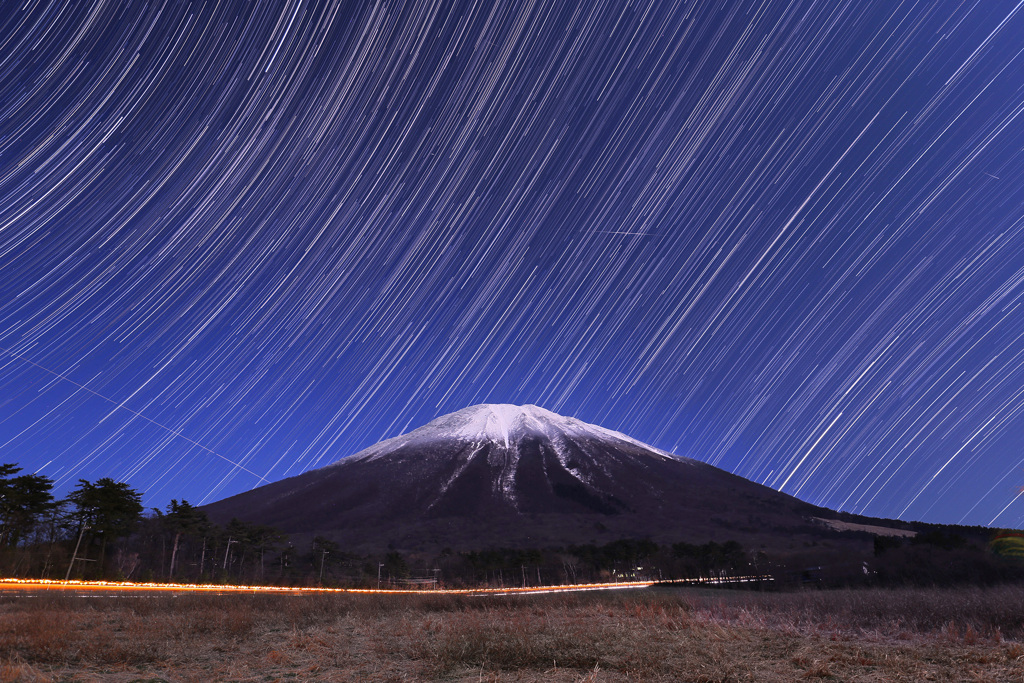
(670, 635)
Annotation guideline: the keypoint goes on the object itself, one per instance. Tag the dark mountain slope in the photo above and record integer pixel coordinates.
(499, 475)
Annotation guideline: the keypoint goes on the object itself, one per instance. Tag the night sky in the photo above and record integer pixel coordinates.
(240, 240)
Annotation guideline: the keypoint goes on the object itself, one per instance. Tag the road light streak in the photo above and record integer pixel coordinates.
(27, 585)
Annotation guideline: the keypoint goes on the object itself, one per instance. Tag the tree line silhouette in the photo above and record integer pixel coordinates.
(101, 530)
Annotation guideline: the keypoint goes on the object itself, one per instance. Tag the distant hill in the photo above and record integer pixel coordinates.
(511, 476)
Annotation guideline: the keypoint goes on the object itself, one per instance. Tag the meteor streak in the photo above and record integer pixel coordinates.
(122, 406)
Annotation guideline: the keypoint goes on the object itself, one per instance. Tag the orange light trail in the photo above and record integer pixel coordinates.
(128, 586)
(27, 585)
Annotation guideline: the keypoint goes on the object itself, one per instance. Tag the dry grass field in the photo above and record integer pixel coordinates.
(643, 635)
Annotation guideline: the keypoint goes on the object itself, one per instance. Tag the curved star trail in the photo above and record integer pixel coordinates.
(241, 240)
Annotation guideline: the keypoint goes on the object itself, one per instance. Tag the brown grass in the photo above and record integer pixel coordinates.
(657, 635)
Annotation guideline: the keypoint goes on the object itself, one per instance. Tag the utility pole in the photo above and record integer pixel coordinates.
(75, 554)
(322, 557)
(202, 559)
(226, 550)
(379, 565)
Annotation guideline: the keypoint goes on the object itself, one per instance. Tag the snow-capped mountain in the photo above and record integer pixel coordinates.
(502, 424)
(504, 475)
(502, 435)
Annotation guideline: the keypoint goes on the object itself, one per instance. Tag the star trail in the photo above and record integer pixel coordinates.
(239, 240)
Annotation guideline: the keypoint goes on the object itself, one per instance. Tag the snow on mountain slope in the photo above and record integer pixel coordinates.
(503, 424)
(501, 436)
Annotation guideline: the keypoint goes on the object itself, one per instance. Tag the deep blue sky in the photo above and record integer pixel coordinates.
(240, 240)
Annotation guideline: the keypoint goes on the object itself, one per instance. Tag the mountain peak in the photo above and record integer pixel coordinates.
(503, 425)
(496, 422)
